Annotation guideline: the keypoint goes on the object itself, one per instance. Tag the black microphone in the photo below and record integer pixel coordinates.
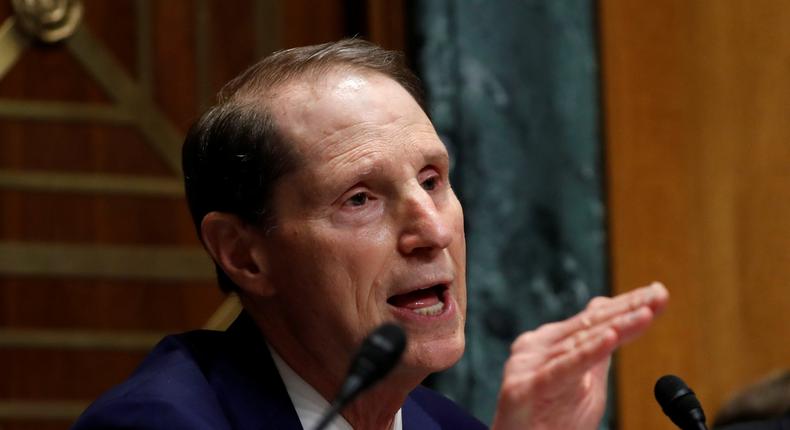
(379, 353)
(679, 403)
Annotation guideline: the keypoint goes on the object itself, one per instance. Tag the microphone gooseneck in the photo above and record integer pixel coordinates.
(679, 403)
(379, 353)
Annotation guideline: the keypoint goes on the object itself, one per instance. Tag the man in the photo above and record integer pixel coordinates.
(762, 405)
(321, 190)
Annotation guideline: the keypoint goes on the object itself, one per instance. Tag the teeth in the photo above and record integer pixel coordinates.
(430, 310)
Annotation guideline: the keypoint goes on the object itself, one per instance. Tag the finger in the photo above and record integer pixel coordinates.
(573, 365)
(522, 364)
(632, 324)
(547, 335)
(627, 326)
(577, 340)
(598, 302)
(529, 359)
(654, 296)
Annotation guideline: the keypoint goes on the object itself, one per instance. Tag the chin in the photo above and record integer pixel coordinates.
(427, 357)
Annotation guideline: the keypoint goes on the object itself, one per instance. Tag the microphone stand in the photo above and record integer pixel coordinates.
(332, 413)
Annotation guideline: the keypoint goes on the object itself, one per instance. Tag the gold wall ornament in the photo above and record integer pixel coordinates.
(49, 21)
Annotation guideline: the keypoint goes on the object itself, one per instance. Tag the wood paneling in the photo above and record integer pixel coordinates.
(95, 148)
(59, 314)
(130, 305)
(387, 23)
(55, 366)
(19, 82)
(305, 22)
(175, 59)
(224, 40)
(69, 217)
(698, 158)
(166, 56)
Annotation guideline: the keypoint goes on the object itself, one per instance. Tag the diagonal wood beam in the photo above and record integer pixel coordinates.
(225, 314)
(131, 96)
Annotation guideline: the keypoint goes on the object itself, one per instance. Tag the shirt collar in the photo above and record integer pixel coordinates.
(309, 404)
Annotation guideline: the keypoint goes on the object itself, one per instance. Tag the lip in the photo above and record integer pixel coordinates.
(406, 315)
(446, 281)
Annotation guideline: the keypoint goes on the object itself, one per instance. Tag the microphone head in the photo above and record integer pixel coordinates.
(381, 350)
(379, 353)
(679, 402)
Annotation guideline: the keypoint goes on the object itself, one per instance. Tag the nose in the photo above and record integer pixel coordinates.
(426, 228)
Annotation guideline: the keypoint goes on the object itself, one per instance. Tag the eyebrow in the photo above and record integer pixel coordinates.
(438, 156)
(339, 184)
(368, 170)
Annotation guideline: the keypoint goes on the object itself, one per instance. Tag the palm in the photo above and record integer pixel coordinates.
(556, 377)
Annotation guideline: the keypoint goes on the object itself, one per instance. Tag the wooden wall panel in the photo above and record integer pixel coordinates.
(698, 156)
(307, 22)
(19, 82)
(94, 179)
(115, 23)
(78, 218)
(174, 61)
(94, 369)
(92, 148)
(146, 305)
(90, 134)
(224, 39)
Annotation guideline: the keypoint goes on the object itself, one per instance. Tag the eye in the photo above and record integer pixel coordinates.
(358, 199)
(431, 183)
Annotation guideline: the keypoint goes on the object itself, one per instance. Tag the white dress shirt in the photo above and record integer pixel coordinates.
(310, 406)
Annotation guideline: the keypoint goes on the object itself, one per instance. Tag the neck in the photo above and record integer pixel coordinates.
(324, 367)
(374, 409)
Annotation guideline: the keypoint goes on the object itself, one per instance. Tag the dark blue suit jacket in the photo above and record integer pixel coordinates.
(227, 380)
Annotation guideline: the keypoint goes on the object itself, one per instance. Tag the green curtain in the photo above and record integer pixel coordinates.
(513, 91)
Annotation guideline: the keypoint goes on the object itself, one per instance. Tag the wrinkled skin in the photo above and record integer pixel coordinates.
(370, 214)
(556, 376)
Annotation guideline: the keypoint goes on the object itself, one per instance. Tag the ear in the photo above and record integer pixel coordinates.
(239, 250)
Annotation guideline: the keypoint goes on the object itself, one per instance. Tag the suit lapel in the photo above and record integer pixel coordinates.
(416, 418)
(247, 382)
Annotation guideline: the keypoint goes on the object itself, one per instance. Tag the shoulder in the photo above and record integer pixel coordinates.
(168, 390)
(442, 411)
(149, 413)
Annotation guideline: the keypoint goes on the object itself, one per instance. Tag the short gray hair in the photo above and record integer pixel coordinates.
(233, 155)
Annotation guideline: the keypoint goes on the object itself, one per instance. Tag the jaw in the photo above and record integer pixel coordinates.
(433, 319)
(434, 342)
(426, 356)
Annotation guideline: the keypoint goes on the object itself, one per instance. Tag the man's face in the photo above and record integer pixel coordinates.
(368, 229)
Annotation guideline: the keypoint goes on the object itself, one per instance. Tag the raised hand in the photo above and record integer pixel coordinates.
(556, 375)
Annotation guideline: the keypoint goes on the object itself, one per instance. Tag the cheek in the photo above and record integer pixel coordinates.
(455, 219)
(458, 254)
(459, 258)
(341, 264)
(367, 257)
(302, 261)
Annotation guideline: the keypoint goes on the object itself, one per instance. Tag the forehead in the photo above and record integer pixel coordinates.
(347, 111)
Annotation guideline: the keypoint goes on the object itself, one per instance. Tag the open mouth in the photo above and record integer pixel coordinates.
(426, 301)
